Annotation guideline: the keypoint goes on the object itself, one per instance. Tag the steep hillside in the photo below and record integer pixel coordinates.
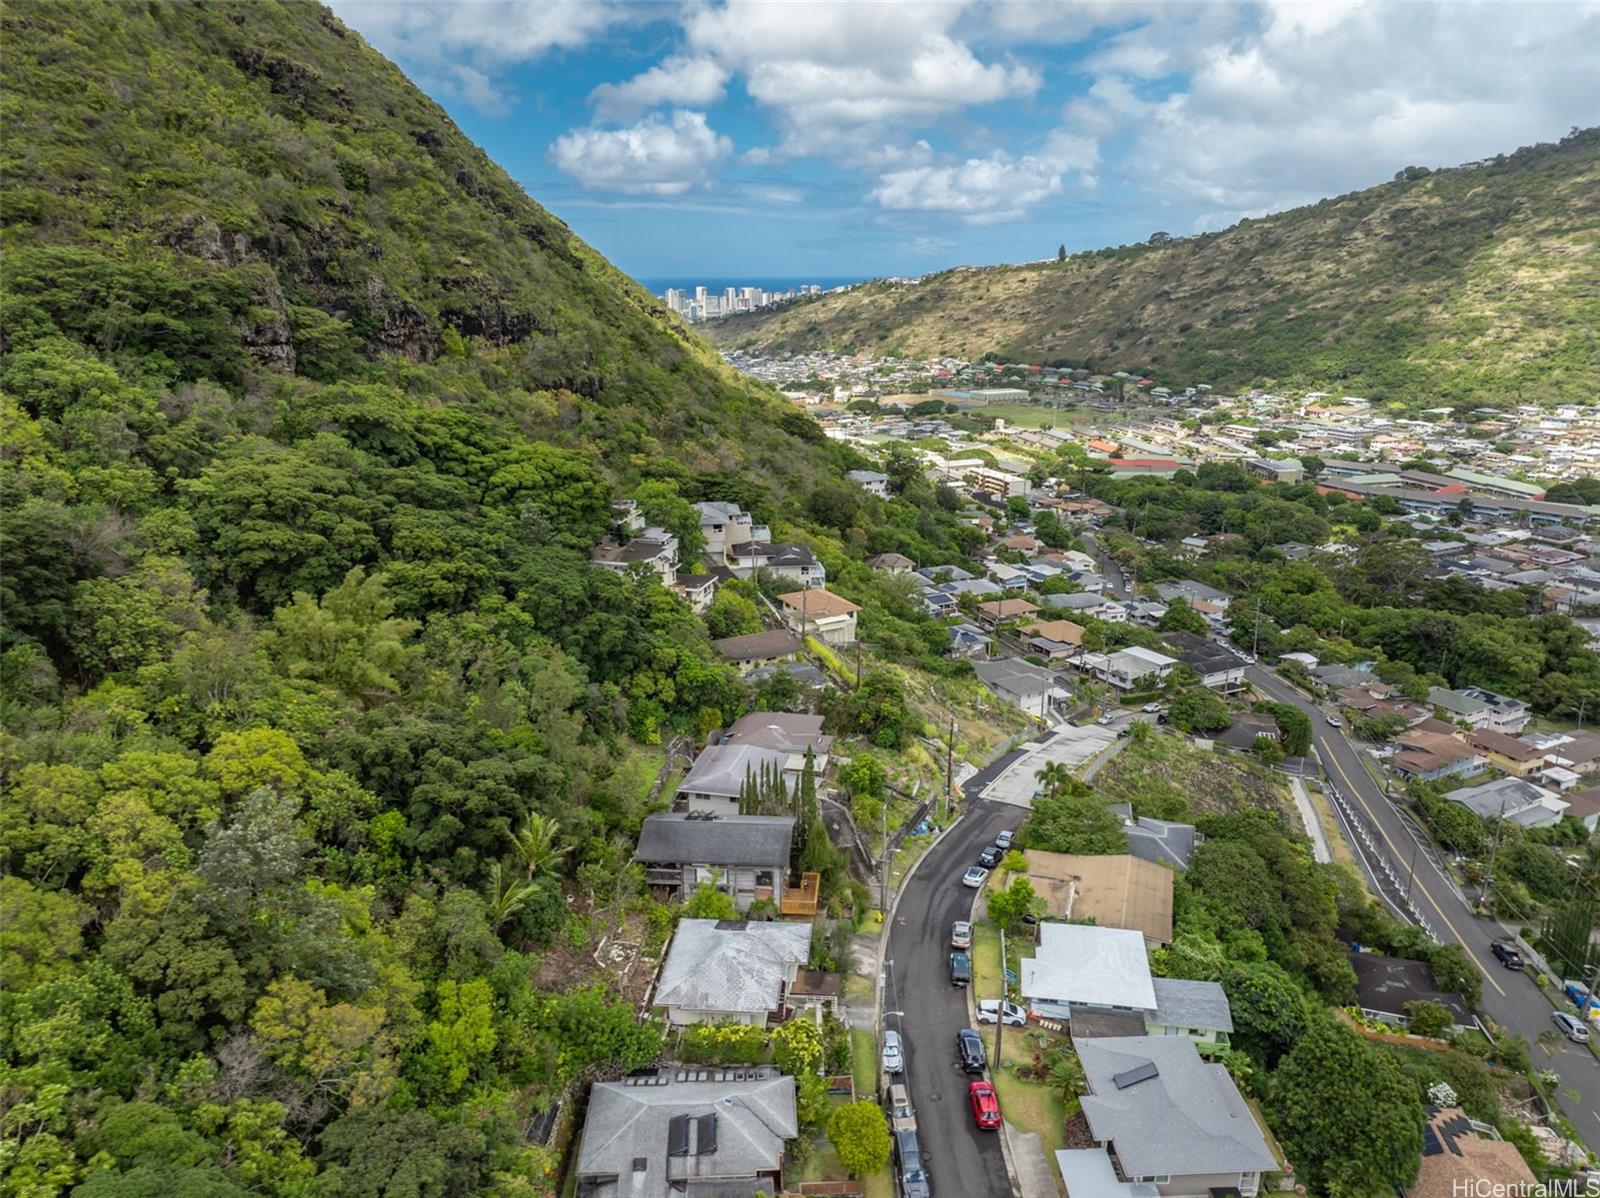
(247, 192)
(1479, 283)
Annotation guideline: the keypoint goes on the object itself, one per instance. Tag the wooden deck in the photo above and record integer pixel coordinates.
(801, 900)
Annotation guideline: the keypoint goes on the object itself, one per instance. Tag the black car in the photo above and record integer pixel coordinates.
(908, 1163)
(1506, 954)
(990, 857)
(960, 969)
(969, 1046)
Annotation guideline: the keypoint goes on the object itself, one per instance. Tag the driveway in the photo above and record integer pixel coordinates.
(1016, 782)
(920, 1001)
(1509, 997)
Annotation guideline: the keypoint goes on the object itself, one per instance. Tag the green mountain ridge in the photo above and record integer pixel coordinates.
(1477, 284)
(248, 192)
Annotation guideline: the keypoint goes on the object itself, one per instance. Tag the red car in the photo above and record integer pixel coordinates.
(985, 1105)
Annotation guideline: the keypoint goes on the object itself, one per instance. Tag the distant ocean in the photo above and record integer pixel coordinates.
(766, 282)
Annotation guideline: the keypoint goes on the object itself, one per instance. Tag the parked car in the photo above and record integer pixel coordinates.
(961, 934)
(901, 1115)
(908, 1163)
(989, 1012)
(975, 877)
(1506, 954)
(1571, 1027)
(985, 1105)
(1335, 722)
(1150, 708)
(960, 969)
(990, 857)
(894, 1057)
(1106, 719)
(1004, 837)
(969, 1047)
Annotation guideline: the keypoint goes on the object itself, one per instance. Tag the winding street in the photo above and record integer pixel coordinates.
(919, 1000)
(1510, 997)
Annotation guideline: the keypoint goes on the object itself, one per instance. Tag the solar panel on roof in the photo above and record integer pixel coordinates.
(678, 1136)
(1132, 1077)
(706, 1134)
(1430, 1142)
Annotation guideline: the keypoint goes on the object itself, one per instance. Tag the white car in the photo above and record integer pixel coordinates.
(1106, 719)
(1151, 708)
(894, 1059)
(975, 877)
(989, 1012)
(1004, 837)
(961, 934)
(1335, 722)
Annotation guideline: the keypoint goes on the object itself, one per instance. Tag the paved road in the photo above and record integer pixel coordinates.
(1509, 998)
(962, 1161)
(1110, 568)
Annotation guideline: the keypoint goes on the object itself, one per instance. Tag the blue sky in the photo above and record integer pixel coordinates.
(727, 138)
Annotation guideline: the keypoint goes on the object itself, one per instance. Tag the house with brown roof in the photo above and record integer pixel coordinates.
(1462, 1156)
(1116, 890)
(1506, 753)
(1584, 806)
(1428, 755)
(997, 611)
(1053, 639)
(758, 649)
(820, 613)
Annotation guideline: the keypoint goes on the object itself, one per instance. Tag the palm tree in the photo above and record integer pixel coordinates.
(1053, 776)
(535, 844)
(506, 895)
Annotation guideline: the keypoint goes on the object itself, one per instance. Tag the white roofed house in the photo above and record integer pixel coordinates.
(1088, 967)
(731, 971)
(870, 481)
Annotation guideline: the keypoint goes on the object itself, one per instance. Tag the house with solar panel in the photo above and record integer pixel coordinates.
(1167, 1123)
(678, 1133)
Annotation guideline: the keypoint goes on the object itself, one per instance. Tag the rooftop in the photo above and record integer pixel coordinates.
(731, 965)
(671, 837)
(758, 646)
(1166, 1111)
(1081, 963)
(1116, 890)
(817, 601)
(1183, 1003)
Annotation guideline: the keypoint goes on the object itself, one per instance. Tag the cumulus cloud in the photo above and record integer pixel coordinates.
(486, 31)
(836, 75)
(1308, 100)
(657, 156)
(683, 81)
(999, 187)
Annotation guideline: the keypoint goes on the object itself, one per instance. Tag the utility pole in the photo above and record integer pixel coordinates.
(888, 885)
(858, 663)
(950, 768)
(1255, 640)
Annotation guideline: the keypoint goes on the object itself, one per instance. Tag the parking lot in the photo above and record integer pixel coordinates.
(1070, 746)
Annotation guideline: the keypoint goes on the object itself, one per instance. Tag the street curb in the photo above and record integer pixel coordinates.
(1006, 1152)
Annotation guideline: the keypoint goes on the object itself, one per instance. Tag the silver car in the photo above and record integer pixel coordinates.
(975, 877)
(1571, 1027)
(894, 1057)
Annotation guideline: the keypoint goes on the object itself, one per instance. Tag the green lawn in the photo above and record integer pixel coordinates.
(864, 1061)
(1029, 1105)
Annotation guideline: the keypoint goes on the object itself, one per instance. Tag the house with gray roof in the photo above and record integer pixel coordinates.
(731, 971)
(718, 776)
(1198, 1010)
(1158, 840)
(1019, 682)
(1512, 799)
(1169, 1119)
(687, 1133)
(745, 855)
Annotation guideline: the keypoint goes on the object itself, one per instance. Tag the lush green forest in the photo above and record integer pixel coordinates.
(324, 748)
(1475, 284)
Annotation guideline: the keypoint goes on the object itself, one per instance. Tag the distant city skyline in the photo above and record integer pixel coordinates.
(896, 138)
(701, 301)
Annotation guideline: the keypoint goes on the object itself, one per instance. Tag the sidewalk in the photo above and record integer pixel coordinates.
(1030, 1165)
(1308, 816)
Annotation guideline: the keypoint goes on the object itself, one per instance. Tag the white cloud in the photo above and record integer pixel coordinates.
(493, 31)
(1290, 101)
(923, 246)
(656, 156)
(682, 81)
(477, 89)
(979, 190)
(836, 76)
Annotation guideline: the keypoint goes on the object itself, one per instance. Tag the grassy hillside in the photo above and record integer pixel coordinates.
(1480, 283)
